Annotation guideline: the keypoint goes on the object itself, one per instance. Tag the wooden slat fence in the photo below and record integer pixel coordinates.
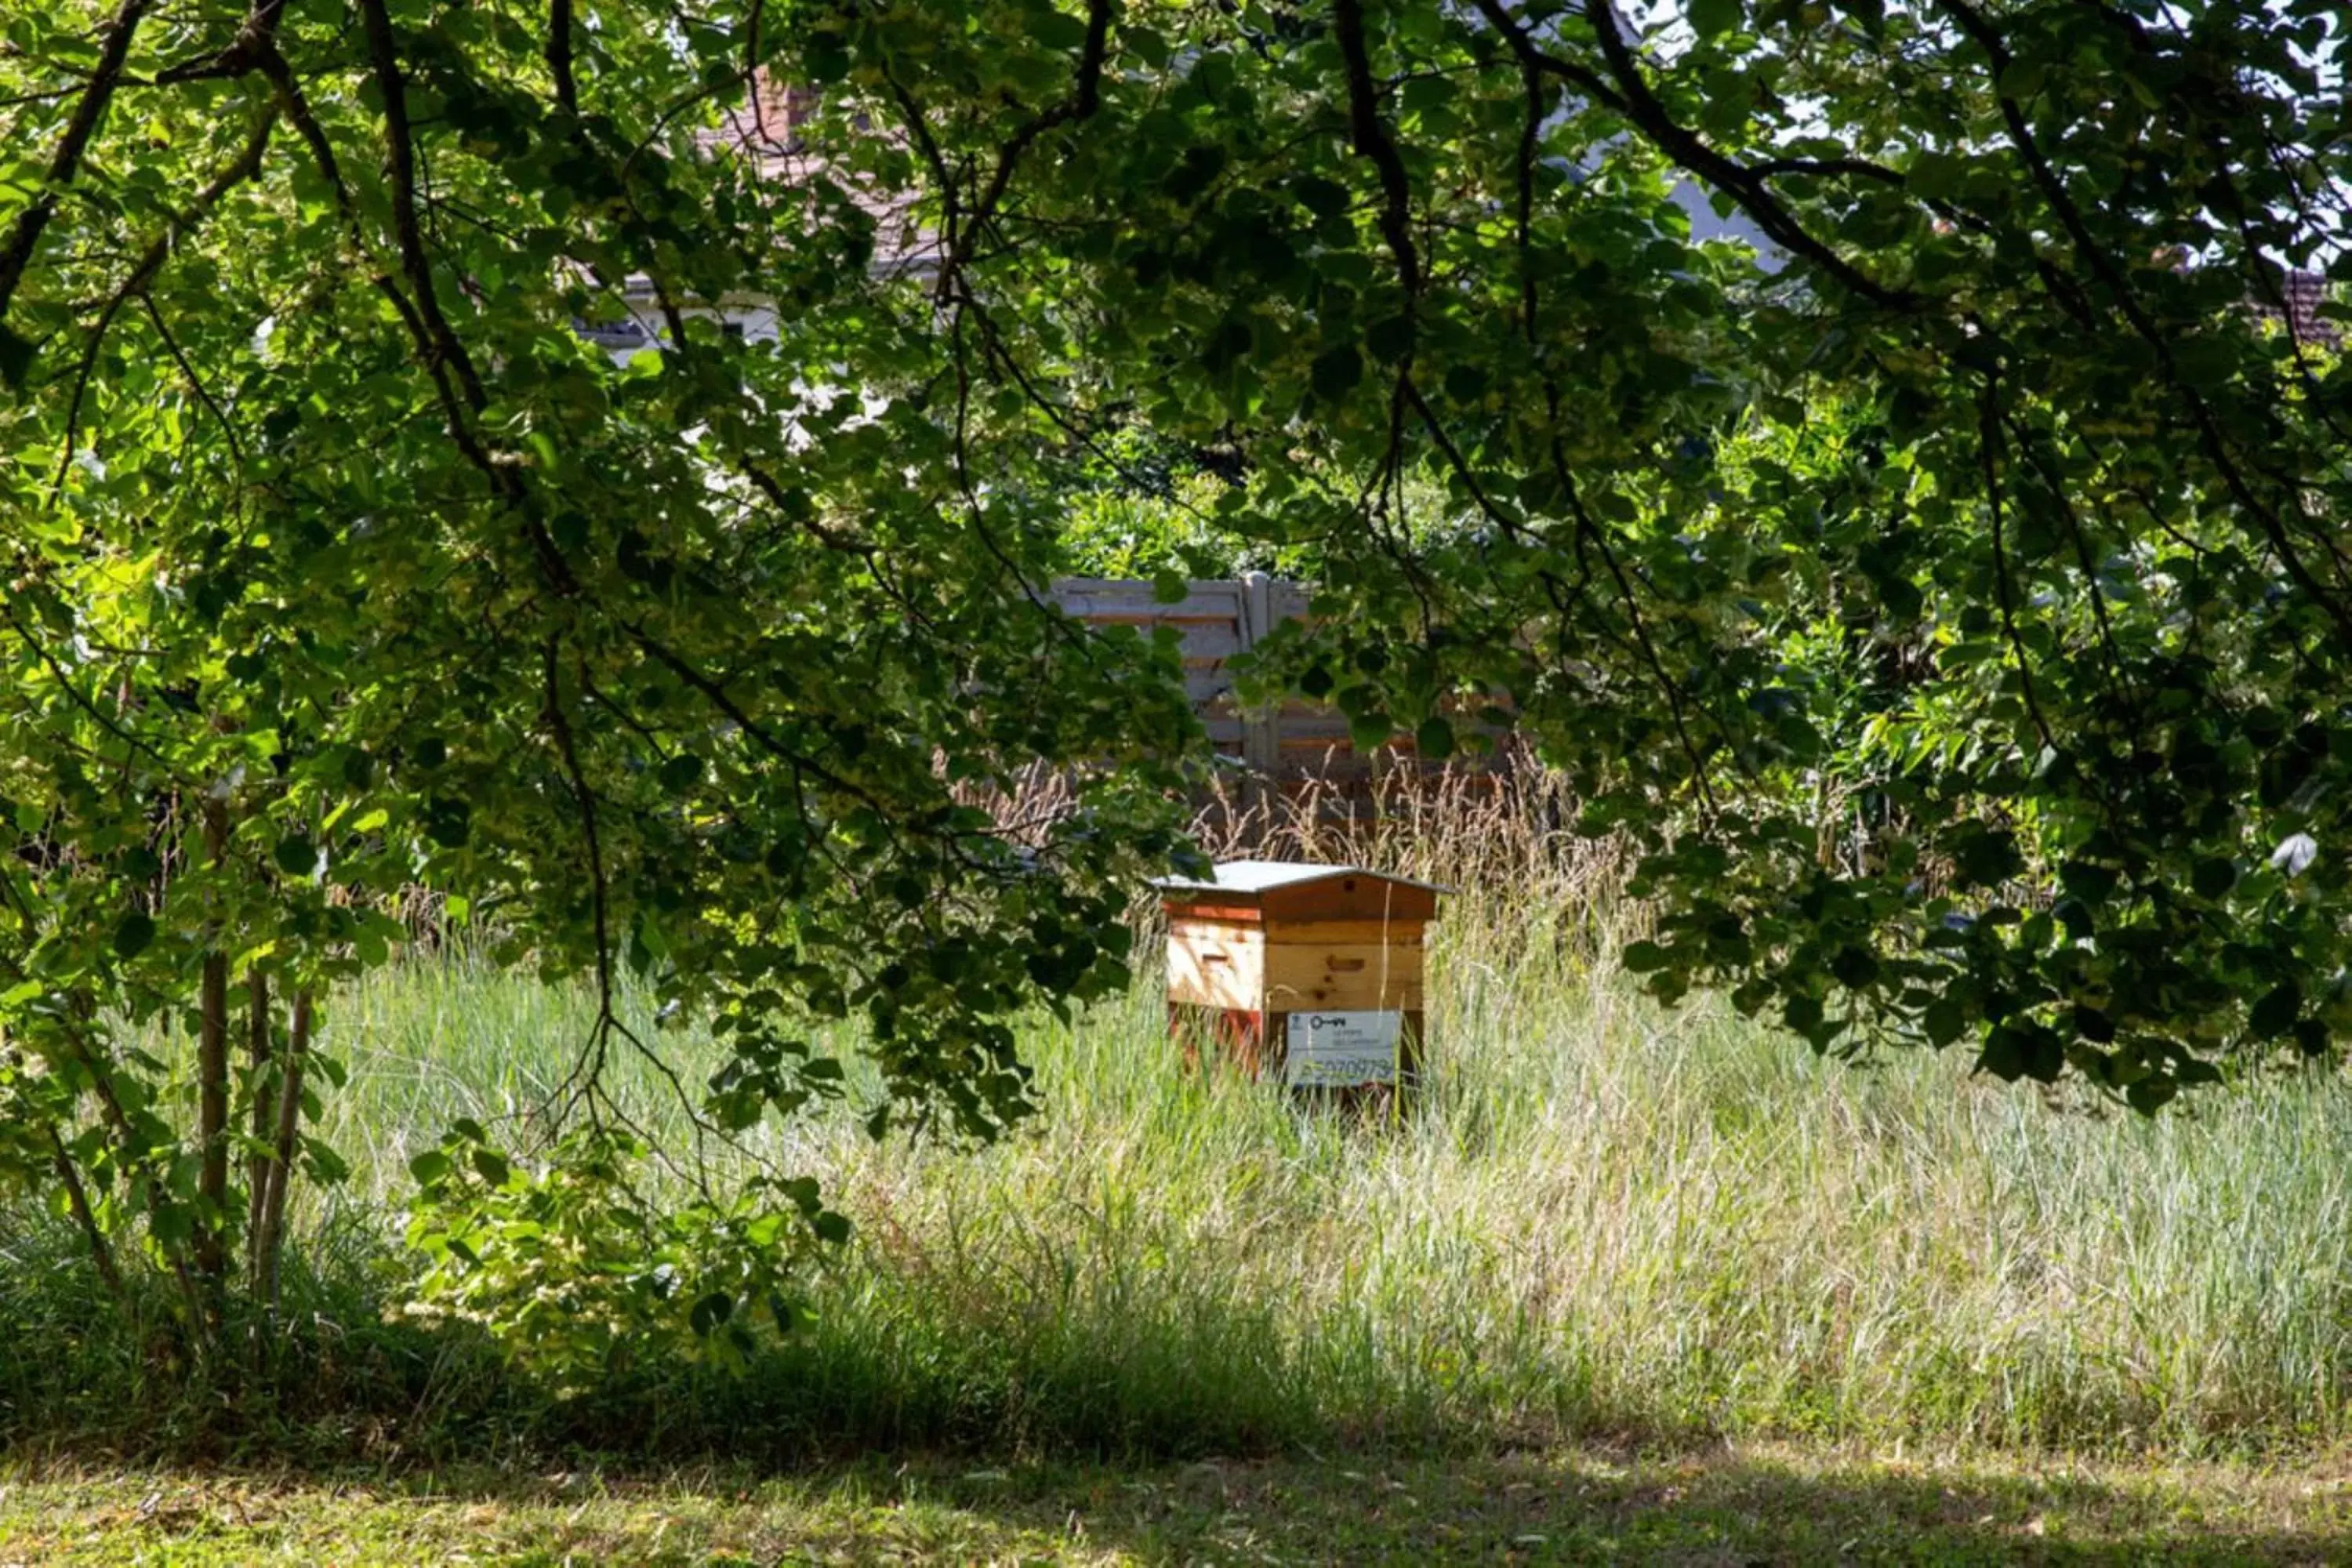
(1218, 619)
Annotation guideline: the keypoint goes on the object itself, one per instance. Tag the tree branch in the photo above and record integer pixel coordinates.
(102, 1256)
(1372, 140)
(2104, 266)
(64, 161)
(244, 167)
(1738, 182)
(559, 55)
(1988, 451)
(442, 347)
(1086, 94)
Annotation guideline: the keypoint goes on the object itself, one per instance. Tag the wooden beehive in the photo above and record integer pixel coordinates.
(1312, 970)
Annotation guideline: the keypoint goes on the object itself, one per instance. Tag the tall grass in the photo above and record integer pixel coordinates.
(1601, 1217)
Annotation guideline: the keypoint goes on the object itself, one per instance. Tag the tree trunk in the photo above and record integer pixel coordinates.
(268, 1241)
(78, 1199)
(258, 1053)
(127, 1144)
(212, 1082)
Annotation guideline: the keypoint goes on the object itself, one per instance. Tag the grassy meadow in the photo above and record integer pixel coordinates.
(1661, 1232)
(1602, 1219)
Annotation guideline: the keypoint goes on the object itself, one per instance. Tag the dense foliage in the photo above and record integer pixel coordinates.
(1950, 597)
(341, 564)
(1943, 583)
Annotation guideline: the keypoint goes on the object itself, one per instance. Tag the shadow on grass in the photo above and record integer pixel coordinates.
(1773, 1506)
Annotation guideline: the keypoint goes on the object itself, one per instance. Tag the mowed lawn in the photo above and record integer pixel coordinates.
(1742, 1505)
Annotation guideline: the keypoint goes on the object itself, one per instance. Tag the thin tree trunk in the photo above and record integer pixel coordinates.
(212, 1082)
(265, 1119)
(268, 1241)
(78, 1199)
(118, 1121)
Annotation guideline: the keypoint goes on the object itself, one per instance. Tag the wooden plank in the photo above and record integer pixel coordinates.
(1262, 728)
(1372, 898)
(1216, 907)
(1103, 599)
(1399, 934)
(1342, 977)
(1219, 619)
(1209, 968)
(1210, 641)
(1316, 730)
(1135, 587)
(1304, 962)
(1145, 624)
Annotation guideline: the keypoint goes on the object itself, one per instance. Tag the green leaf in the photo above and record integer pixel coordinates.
(2213, 875)
(1323, 197)
(1854, 967)
(2019, 1048)
(449, 821)
(17, 353)
(295, 856)
(1336, 372)
(1712, 19)
(826, 56)
(132, 933)
(2089, 882)
(1227, 346)
(1644, 957)
(2094, 1024)
(1392, 339)
(709, 1312)
(1985, 857)
(2275, 1013)
(2003, 1055)
(1147, 45)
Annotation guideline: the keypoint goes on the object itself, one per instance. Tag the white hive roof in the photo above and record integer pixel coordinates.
(1264, 876)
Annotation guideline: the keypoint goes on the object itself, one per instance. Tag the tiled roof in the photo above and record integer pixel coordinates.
(764, 133)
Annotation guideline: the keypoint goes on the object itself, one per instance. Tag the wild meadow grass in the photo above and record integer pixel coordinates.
(1601, 1218)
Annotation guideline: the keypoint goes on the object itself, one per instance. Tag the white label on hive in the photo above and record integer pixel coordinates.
(1327, 1049)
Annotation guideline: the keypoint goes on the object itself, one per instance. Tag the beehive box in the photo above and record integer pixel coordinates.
(1315, 972)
